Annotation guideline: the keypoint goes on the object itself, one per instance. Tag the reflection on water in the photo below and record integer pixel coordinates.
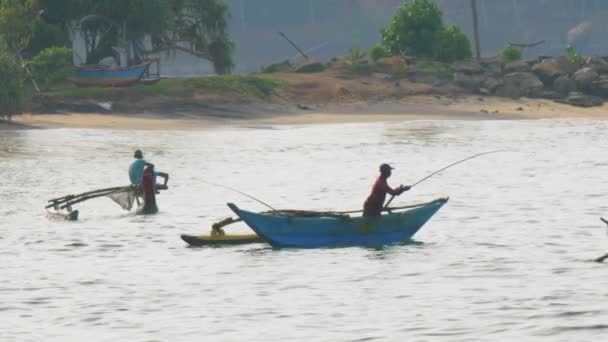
(507, 258)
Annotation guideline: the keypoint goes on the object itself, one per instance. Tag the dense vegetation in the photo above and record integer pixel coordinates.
(417, 30)
(35, 35)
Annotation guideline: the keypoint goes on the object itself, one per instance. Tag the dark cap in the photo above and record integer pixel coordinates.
(385, 168)
(138, 154)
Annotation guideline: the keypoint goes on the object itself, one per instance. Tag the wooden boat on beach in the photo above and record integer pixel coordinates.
(297, 229)
(105, 76)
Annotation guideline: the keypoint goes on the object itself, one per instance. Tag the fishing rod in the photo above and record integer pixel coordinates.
(445, 168)
(242, 193)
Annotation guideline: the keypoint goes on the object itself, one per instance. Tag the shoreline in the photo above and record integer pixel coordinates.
(205, 115)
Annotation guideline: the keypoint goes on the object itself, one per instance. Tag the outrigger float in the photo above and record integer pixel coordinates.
(125, 196)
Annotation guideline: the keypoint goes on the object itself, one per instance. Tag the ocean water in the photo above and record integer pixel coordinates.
(509, 257)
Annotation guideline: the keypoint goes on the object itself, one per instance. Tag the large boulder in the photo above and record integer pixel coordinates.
(565, 65)
(467, 67)
(598, 64)
(492, 67)
(563, 85)
(519, 84)
(423, 75)
(472, 82)
(547, 71)
(585, 77)
(517, 66)
(599, 88)
(490, 84)
(581, 100)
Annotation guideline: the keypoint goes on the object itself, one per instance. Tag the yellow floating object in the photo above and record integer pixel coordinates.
(218, 240)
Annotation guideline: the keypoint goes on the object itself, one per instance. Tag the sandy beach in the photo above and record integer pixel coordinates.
(421, 107)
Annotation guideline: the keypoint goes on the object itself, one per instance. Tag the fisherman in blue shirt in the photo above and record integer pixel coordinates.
(137, 167)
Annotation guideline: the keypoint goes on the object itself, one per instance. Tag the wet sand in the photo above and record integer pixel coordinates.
(411, 108)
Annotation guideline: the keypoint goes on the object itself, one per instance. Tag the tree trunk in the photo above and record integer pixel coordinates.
(475, 28)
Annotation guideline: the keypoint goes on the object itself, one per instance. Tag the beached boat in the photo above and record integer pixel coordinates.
(282, 229)
(99, 75)
(219, 240)
(63, 215)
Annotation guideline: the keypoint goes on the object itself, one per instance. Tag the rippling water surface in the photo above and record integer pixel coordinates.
(507, 258)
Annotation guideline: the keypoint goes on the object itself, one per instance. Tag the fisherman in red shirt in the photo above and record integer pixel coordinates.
(149, 187)
(375, 202)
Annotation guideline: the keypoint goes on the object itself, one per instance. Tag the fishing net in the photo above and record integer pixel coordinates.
(124, 198)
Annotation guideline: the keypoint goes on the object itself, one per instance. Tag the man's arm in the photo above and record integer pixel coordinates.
(165, 176)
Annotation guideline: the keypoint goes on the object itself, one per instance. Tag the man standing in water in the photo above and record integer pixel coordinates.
(137, 167)
(375, 202)
(149, 188)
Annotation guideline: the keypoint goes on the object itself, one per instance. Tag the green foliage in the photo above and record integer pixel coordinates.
(202, 24)
(311, 68)
(249, 85)
(12, 91)
(45, 35)
(453, 45)
(18, 19)
(357, 55)
(441, 69)
(574, 56)
(378, 52)
(51, 66)
(511, 54)
(277, 67)
(254, 85)
(414, 30)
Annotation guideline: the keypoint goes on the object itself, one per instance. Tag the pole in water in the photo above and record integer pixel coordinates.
(445, 168)
(242, 193)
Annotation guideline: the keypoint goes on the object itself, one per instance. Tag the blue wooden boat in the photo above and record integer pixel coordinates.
(108, 77)
(284, 229)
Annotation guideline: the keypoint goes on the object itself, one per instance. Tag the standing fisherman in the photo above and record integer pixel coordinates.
(149, 189)
(137, 167)
(375, 202)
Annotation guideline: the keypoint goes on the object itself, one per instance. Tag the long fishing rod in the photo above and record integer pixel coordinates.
(445, 168)
(242, 193)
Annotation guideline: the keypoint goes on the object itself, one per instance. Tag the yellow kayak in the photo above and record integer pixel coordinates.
(218, 240)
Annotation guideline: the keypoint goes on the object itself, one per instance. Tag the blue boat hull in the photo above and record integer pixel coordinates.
(310, 232)
(108, 77)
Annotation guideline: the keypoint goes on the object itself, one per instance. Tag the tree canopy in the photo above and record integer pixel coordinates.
(198, 27)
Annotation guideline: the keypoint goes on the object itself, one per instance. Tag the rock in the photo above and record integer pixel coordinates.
(519, 109)
(581, 100)
(563, 85)
(311, 67)
(517, 66)
(472, 82)
(598, 64)
(565, 65)
(599, 88)
(544, 94)
(416, 74)
(547, 71)
(584, 77)
(305, 107)
(492, 67)
(491, 83)
(519, 84)
(467, 67)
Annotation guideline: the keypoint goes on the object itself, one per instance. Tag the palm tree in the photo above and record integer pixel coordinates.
(475, 28)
